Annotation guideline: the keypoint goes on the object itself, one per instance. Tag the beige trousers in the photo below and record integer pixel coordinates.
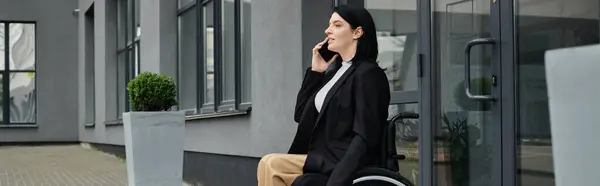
(279, 169)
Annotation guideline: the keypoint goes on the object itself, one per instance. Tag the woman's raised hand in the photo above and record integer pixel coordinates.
(318, 63)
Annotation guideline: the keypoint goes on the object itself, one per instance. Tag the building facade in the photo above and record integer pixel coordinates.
(38, 59)
(239, 64)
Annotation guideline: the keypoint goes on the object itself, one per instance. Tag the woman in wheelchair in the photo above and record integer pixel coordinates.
(341, 109)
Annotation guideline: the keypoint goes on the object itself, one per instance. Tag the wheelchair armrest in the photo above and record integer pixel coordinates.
(404, 115)
(398, 157)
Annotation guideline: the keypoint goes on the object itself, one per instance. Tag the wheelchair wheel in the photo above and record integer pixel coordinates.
(379, 177)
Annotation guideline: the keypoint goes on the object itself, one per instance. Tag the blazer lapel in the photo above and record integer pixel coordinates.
(332, 92)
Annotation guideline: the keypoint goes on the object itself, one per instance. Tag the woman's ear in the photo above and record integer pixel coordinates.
(358, 32)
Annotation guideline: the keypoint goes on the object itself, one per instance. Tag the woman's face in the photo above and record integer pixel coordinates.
(340, 34)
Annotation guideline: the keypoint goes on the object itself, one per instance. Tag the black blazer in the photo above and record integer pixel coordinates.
(345, 135)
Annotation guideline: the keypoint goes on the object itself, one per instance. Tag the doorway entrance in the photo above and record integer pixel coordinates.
(475, 74)
(467, 93)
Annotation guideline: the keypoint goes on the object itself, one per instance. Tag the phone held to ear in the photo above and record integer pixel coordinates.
(326, 53)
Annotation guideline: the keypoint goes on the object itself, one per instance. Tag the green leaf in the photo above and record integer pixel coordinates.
(152, 92)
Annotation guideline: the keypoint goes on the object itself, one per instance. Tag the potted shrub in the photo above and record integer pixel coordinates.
(154, 135)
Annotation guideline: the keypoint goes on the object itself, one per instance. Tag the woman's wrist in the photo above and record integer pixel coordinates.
(317, 70)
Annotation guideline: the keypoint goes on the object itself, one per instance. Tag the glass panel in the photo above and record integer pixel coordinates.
(129, 74)
(210, 89)
(130, 24)
(2, 47)
(188, 69)
(136, 59)
(407, 132)
(23, 97)
(137, 18)
(22, 46)
(2, 97)
(464, 137)
(121, 84)
(228, 73)
(185, 2)
(209, 46)
(246, 58)
(122, 24)
(543, 26)
(396, 35)
(130, 64)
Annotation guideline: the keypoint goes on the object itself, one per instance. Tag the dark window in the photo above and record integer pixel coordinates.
(17, 68)
(90, 102)
(214, 59)
(128, 53)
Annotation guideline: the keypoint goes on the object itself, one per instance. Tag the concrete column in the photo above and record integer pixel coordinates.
(101, 67)
(158, 40)
(276, 72)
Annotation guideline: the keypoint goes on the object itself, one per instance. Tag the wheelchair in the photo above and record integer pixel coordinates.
(387, 171)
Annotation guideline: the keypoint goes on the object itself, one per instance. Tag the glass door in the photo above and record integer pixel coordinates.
(466, 97)
(541, 26)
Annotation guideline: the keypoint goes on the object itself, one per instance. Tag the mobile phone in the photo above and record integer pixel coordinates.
(326, 53)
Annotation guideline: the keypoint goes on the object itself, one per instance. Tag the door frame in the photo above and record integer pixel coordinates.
(508, 82)
(426, 84)
(502, 24)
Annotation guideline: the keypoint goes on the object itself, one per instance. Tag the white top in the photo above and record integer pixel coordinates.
(320, 98)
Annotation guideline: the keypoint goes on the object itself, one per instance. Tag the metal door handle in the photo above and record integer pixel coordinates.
(470, 44)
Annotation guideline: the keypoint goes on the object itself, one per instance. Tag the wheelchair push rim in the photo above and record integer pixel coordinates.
(380, 175)
(379, 178)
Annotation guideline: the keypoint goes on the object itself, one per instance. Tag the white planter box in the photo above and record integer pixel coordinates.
(154, 147)
(574, 97)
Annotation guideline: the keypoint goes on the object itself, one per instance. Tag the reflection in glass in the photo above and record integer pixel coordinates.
(401, 70)
(121, 83)
(209, 49)
(122, 25)
(185, 2)
(130, 26)
(23, 97)
(136, 59)
(228, 64)
(209, 95)
(22, 46)
(407, 132)
(2, 100)
(210, 88)
(2, 61)
(2, 47)
(396, 23)
(542, 26)
(21, 56)
(464, 137)
(188, 82)
(137, 16)
(246, 58)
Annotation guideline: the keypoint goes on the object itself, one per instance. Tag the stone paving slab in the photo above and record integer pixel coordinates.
(59, 165)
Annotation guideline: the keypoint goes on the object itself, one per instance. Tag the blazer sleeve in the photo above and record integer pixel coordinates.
(372, 100)
(311, 82)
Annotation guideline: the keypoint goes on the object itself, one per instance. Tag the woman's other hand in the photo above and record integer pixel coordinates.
(318, 63)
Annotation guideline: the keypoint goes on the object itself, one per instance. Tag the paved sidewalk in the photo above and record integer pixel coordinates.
(59, 165)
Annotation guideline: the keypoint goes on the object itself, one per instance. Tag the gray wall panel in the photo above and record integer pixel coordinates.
(57, 68)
